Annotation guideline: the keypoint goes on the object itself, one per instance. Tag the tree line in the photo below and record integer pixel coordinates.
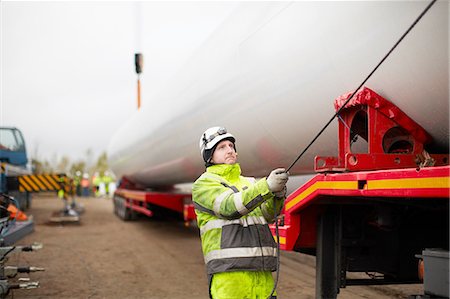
(72, 168)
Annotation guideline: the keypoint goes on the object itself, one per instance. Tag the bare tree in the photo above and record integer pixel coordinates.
(102, 163)
(63, 165)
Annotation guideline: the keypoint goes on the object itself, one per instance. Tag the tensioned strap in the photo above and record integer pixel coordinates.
(362, 84)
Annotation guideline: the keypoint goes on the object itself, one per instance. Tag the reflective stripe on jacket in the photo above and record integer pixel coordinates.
(232, 213)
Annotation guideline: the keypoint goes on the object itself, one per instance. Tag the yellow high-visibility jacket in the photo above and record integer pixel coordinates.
(233, 213)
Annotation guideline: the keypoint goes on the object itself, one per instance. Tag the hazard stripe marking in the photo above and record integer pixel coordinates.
(23, 184)
(134, 196)
(37, 181)
(52, 181)
(422, 183)
(31, 183)
(372, 185)
(41, 182)
(343, 185)
(282, 240)
(44, 180)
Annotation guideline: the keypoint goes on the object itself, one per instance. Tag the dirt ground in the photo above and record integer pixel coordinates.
(104, 257)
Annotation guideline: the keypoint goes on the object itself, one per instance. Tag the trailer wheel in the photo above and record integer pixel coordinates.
(327, 255)
(121, 210)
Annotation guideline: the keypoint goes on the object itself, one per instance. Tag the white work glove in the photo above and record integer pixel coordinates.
(277, 180)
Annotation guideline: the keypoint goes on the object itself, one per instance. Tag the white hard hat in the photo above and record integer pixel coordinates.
(210, 138)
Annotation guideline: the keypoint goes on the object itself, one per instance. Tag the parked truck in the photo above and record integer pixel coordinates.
(14, 162)
(269, 74)
(18, 183)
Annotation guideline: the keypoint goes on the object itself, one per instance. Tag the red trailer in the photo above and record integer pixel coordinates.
(131, 199)
(377, 206)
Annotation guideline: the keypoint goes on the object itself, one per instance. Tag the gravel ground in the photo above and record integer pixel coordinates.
(104, 257)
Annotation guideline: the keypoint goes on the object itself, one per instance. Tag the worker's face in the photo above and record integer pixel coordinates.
(224, 153)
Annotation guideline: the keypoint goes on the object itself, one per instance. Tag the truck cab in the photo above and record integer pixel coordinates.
(13, 159)
(12, 147)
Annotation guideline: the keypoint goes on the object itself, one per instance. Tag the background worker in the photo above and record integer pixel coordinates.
(233, 213)
(77, 183)
(66, 189)
(96, 184)
(85, 185)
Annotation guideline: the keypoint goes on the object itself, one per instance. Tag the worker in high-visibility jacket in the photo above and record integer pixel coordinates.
(233, 213)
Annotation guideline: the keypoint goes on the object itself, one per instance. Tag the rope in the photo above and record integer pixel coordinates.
(334, 116)
(364, 81)
(278, 250)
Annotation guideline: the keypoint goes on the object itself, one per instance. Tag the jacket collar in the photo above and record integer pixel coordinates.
(227, 171)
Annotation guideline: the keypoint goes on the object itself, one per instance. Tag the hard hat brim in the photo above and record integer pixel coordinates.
(215, 141)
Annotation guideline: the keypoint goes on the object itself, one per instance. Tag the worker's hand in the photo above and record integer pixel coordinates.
(277, 180)
(281, 194)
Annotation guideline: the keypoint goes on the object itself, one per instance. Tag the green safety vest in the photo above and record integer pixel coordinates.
(233, 213)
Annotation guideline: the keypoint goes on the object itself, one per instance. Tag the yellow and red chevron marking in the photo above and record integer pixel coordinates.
(132, 194)
(303, 205)
(428, 182)
(39, 182)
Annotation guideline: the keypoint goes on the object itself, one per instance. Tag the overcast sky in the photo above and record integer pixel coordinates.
(67, 68)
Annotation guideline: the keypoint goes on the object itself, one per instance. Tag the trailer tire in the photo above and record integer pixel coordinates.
(121, 210)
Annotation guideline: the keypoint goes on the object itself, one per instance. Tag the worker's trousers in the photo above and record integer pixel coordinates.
(242, 285)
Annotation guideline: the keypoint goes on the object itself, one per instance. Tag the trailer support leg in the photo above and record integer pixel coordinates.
(327, 255)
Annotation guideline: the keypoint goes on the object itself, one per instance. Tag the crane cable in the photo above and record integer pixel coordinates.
(364, 82)
(332, 118)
